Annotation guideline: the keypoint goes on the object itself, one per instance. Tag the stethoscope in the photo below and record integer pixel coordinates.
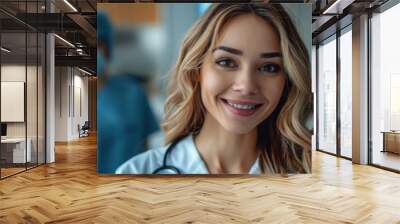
(166, 167)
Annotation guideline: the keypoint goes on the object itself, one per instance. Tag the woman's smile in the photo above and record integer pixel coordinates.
(241, 107)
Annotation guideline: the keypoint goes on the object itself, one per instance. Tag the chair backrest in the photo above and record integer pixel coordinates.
(86, 125)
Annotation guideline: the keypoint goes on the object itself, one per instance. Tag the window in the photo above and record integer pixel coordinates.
(327, 96)
(385, 89)
(346, 93)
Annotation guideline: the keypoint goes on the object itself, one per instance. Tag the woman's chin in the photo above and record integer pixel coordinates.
(238, 129)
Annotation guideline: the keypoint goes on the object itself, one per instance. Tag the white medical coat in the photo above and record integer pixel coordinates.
(184, 156)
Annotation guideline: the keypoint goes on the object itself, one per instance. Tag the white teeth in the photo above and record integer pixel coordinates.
(242, 106)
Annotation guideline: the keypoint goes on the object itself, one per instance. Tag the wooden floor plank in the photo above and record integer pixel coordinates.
(70, 191)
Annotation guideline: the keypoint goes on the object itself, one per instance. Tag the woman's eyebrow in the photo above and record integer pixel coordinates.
(271, 55)
(228, 49)
(239, 52)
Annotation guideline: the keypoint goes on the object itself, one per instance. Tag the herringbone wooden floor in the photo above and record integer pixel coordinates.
(70, 191)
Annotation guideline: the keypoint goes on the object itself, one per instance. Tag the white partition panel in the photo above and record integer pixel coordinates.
(12, 101)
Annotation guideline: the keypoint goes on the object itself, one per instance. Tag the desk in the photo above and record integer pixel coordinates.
(391, 141)
(15, 148)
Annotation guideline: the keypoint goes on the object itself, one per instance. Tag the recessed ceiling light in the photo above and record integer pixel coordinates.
(337, 7)
(86, 72)
(329, 9)
(5, 50)
(64, 40)
(71, 6)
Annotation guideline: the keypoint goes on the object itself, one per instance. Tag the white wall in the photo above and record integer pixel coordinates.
(61, 103)
(33, 126)
(80, 84)
(17, 73)
(70, 83)
(14, 73)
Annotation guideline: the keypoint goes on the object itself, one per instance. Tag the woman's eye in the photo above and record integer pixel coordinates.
(226, 63)
(270, 68)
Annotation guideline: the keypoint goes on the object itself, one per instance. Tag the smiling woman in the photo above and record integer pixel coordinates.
(238, 98)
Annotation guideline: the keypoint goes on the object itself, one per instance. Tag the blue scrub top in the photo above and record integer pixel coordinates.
(125, 121)
(184, 156)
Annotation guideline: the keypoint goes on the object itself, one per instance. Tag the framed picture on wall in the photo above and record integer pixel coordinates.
(12, 101)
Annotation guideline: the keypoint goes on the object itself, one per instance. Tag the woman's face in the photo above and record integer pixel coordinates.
(242, 77)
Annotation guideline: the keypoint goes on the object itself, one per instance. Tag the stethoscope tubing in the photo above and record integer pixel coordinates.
(164, 165)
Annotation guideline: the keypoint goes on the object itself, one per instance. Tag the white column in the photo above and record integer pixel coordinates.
(50, 94)
(360, 90)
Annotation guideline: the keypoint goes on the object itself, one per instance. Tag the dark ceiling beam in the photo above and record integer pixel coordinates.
(11, 25)
(63, 51)
(321, 22)
(86, 26)
(329, 13)
(91, 5)
(336, 16)
(332, 28)
(49, 22)
(82, 61)
(53, 22)
(60, 22)
(16, 18)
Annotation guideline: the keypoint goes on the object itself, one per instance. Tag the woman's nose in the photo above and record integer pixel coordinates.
(245, 82)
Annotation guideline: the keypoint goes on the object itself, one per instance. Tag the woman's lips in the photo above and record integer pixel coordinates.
(243, 108)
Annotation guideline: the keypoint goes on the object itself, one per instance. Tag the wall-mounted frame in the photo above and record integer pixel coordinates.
(12, 101)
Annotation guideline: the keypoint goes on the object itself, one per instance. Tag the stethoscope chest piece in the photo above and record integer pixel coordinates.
(168, 169)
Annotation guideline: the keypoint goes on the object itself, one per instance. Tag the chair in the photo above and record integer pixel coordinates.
(84, 130)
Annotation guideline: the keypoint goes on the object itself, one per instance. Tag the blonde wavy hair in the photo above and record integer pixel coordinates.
(283, 135)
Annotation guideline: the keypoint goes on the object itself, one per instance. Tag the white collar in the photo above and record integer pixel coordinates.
(186, 158)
